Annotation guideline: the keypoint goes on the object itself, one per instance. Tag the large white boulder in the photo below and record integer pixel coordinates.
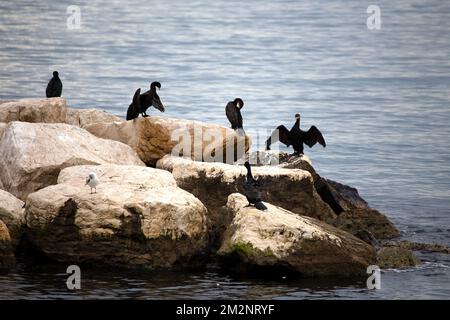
(33, 154)
(155, 136)
(85, 117)
(52, 110)
(138, 217)
(279, 238)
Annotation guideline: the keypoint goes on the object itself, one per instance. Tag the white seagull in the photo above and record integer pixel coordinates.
(92, 181)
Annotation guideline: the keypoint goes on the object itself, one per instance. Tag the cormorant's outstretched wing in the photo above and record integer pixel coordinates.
(279, 134)
(233, 116)
(54, 88)
(156, 102)
(313, 136)
(135, 106)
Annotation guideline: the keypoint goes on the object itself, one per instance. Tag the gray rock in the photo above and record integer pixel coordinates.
(279, 238)
(396, 257)
(52, 110)
(137, 218)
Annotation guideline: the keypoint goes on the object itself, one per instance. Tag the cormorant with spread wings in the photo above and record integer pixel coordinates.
(296, 137)
(141, 102)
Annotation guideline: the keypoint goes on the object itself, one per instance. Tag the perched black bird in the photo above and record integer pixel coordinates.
(296, 137)
(252, 189)
(233, 112)
(54, 87)
(141, 102)
(135, 107)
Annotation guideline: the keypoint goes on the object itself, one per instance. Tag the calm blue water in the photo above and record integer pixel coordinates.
(381, 99)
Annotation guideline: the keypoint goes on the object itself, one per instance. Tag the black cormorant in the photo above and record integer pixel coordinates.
(54, 87)
(233, 112)
(145, 100)
(252, 189)
(296, 137)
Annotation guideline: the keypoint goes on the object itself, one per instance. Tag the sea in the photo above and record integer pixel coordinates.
(374, 80)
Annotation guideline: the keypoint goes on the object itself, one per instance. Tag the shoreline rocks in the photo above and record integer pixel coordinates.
(212, 183)
(277, 237)
(417, 246)
(12, 214)
(396, 257)
(155, 136)
(84, 117)
(138, 217)
(353, 213)
(33, 154)
(152, 218)
(7, 259)
(52, 110)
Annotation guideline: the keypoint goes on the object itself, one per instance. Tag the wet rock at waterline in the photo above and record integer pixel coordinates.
(396, 257)
(353, 212)
(354, 220)
(33, 154)
(12, 214)
(138, 217)
(280, 238)
(7, 258)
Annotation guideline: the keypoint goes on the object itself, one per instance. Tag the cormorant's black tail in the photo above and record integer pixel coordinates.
(260, 206)
(135, 106)
(130, 113)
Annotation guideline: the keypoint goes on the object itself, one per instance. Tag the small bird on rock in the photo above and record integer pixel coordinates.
(92, 181)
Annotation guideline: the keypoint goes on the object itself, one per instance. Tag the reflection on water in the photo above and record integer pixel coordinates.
(49, 282)
(381, 98)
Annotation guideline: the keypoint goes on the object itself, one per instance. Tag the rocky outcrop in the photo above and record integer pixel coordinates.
(154, 137)
(280, 238)
(349, 195)
(51, 110)
(353, 213)
(7, 258)
(396, 257)
(138, 217)
(355, 220)
(212, 183)
(34, 154)
(2, 128)
(12, 214)
(85, 117)
(307, 194)
(418, 246)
